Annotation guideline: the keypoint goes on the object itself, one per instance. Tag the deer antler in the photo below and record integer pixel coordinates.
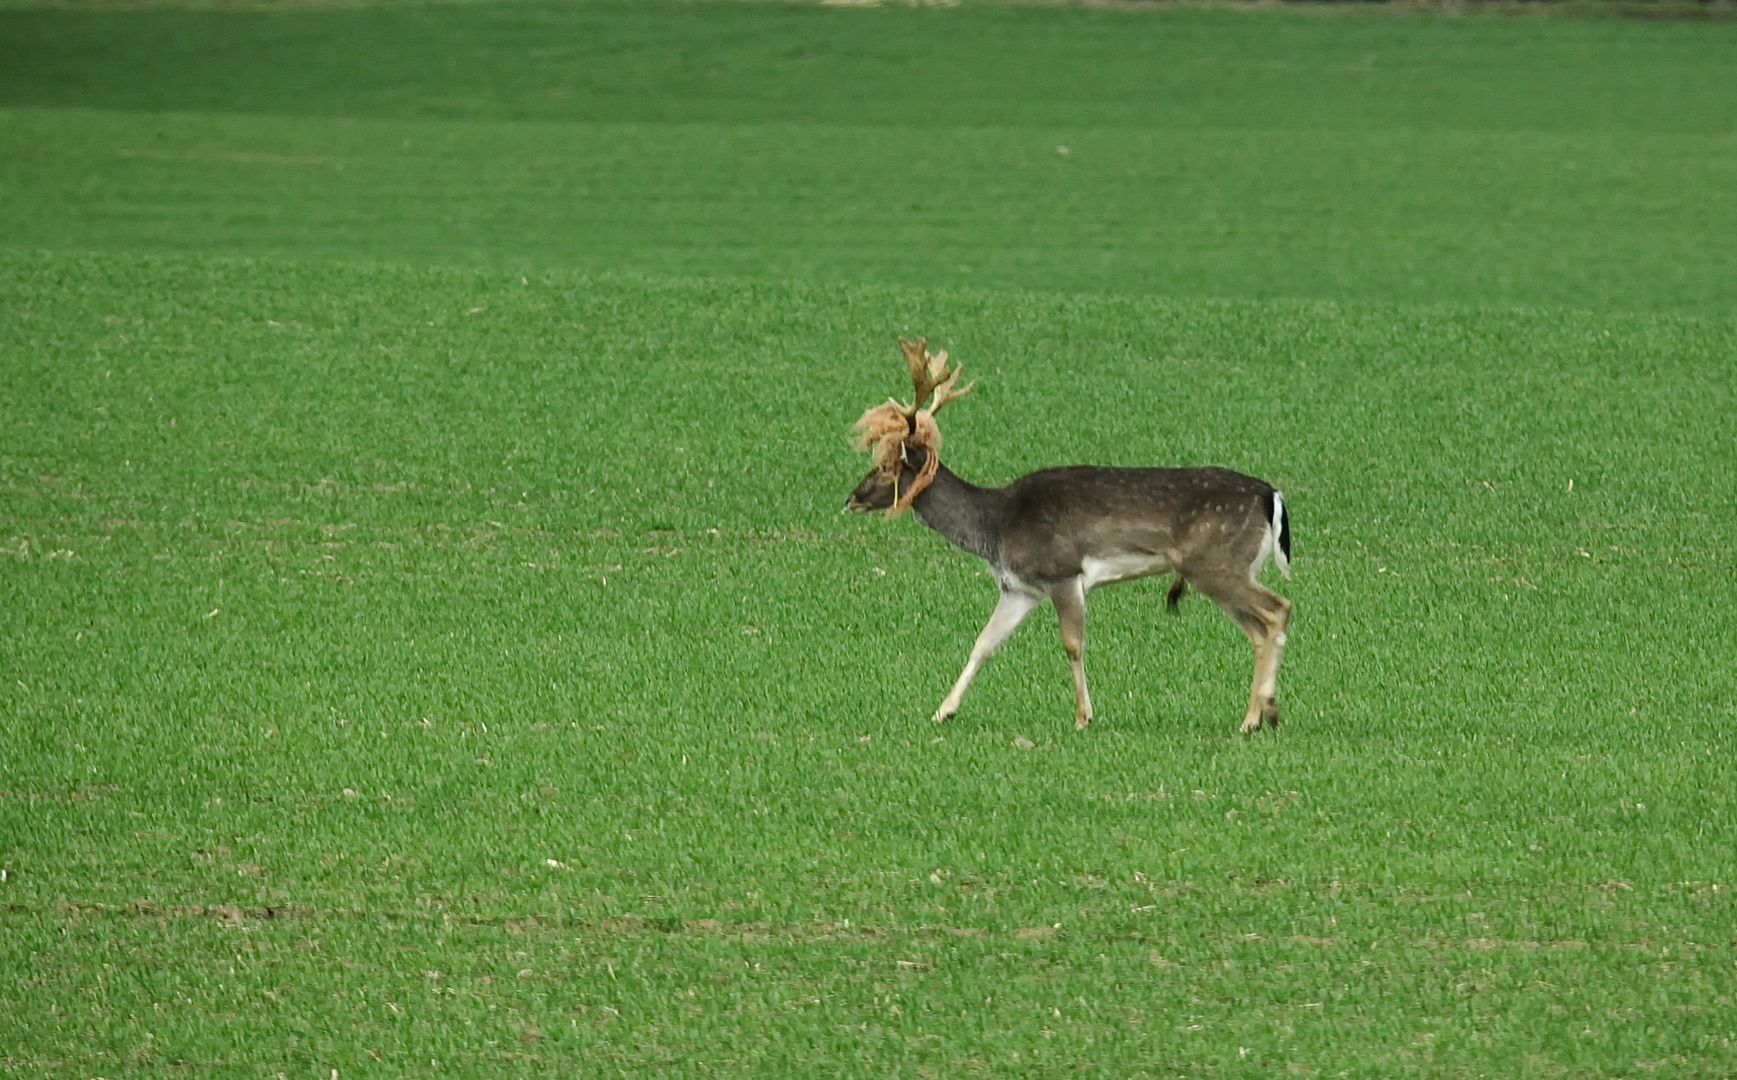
(886, 430)
(929, 375)
(944, 392)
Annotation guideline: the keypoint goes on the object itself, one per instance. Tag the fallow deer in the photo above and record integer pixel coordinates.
(1059, 533)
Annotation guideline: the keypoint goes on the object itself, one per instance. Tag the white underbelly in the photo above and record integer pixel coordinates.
(1125, 567)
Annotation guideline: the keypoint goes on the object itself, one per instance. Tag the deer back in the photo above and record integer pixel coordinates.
(1146, 521)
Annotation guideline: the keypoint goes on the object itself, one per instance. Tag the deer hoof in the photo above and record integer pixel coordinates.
(1251, 725)
(1080, 722)
(941, 717)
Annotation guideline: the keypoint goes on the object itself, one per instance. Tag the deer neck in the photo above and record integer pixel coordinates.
(968, 516)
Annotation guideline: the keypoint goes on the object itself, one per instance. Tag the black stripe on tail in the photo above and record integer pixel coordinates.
(1284, 525)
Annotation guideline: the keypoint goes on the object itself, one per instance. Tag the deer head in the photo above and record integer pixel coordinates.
(902, 439)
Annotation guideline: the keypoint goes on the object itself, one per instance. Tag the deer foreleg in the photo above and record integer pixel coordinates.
(1009, 612)
(1070, 611)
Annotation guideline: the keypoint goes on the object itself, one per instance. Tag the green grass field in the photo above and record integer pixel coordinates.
(1211, 153)
(429, 641)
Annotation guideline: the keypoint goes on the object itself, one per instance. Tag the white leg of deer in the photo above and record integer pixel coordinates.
(1070, 611)
(1010, 611)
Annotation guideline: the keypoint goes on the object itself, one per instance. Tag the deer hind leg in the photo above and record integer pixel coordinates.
(1264, 616)
(1276, 611)
(1010, 611)
(1070, 610)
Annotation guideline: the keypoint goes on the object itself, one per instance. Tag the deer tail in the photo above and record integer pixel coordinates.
(1279, 536)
